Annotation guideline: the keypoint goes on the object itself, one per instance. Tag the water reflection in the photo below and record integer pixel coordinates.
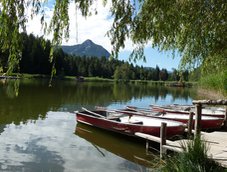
(35, 98)
(36, 145)
(123, 146)
(11, 87)
(51, 145)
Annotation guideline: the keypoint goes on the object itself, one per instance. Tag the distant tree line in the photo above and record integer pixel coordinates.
(35, 60)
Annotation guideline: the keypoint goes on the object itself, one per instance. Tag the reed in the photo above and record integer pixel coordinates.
(215, 81)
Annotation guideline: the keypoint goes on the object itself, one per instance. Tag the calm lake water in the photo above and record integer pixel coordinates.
(39, 132)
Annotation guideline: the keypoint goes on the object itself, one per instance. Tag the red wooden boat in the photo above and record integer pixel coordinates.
(185, 109)
(128, 124)
(207, 122)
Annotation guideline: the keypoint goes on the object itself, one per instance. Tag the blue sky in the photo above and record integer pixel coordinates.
(95, 28)
(154, 57)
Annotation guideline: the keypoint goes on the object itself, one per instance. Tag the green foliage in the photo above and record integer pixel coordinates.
(196, 29)
(195, 74)
(193, 159)
(122, 12)
(60, 22)
(12, 20)
(123, 72)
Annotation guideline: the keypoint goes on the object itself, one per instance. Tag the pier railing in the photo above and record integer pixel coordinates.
(198, 105)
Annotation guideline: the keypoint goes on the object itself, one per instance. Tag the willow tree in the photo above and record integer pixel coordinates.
(195, 29)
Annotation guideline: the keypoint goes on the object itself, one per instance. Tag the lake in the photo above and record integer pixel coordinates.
(39, 132)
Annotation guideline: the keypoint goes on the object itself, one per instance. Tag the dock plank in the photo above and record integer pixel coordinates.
(217, 144)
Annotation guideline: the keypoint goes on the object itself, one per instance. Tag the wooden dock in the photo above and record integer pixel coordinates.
(216, 141)
(217, 144)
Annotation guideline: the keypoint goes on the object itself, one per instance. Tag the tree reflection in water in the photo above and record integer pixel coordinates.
(33, 98)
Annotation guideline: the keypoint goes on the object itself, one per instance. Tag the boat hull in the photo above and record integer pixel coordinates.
(127, 128)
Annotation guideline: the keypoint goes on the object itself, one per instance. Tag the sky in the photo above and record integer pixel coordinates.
(95, 28)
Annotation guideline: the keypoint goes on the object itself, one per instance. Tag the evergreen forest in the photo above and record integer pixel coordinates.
(35, 60)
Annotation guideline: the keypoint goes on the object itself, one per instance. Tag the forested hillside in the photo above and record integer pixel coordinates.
(87, 48)
(35, 60)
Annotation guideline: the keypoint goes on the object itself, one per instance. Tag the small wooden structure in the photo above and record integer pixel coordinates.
(217, 140)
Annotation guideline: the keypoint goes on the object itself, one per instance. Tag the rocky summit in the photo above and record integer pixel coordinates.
(87, 48)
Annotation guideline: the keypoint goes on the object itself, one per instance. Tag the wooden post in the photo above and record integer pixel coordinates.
(147, 146)
(190, 123)
(225, 118)
(198, 111)
(163, 139)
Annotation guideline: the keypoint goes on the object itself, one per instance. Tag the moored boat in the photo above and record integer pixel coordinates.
(128, 123)
(185, 109)
(207, 122)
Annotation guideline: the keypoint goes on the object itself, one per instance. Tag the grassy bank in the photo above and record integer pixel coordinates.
(215, 82)
(205, 93)
(98, 79)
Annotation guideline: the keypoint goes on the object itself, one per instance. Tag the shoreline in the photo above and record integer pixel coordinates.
(9, 77)
(98, 79)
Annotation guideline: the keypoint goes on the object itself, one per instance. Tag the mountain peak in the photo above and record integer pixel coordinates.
(88, 41)
(87, 48)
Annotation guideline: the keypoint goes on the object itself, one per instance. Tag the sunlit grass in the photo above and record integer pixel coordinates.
(98, 79)
(215, 81)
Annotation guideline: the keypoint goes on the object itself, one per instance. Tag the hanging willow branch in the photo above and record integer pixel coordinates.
(196, 29)
(12, 20)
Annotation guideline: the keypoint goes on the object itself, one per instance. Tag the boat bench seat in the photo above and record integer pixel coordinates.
(136, 122)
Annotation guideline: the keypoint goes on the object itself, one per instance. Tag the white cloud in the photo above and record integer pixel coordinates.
(34, 23)
(93, 27)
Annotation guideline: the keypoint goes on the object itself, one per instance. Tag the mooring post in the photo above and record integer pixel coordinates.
(198, 112)
(163, 139)
(190, 123)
